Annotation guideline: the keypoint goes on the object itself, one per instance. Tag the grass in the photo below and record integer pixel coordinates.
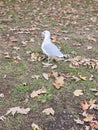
(24, 15)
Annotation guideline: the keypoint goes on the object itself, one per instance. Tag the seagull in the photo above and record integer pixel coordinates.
(50, 49)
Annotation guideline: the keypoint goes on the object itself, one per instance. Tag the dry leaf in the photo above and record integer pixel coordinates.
(87, 127)
(75, 78)
(34, 56)
(94, 19)
(91, 102)
(2, 118)
(89, 47)
(35, 76)
(78, 121)
(94, 124)
(14, 110)
(45, 75)
(91, 77)
(84, 105)
(91, 38)
(1, 95)
(54, 67)
(78, 92)
(46, 64)
(49, 111)
(89, 117)
(59, 82)
(16, 48)
(38, 92)
(7, 55)
(96, 94)
(35, 127)
(82, 77)
(13, 39)
(94, 89)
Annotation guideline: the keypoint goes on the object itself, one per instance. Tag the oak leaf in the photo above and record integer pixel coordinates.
(14, 110)
(59, 82)
(38, 92)
(49, 111)
(78, 92)
(84, 105)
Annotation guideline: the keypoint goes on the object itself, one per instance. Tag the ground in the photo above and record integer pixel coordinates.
(74, 28)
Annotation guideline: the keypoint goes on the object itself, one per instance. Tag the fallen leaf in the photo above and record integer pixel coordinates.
(94, 124)
(78, 121)
(89, 47)
(96, 94)
(35, 127)
(89, 117)
(84, 105)
(2, 118)
(45, 75)
(91, 38)
(93, 89)
(78, 92)
(59, 82)
(54, 67)
(91, 102)
(46, 64)
(16, 48)
(74, 65)
(75, 78)
(14, 110)
(1, 95)
(34, 56)
(94, 19)
(87, 127)
(49, 111)
(35, 76)
(82, 77)
(38, 92)
(7, 55)
(91, 77)
(13, 39)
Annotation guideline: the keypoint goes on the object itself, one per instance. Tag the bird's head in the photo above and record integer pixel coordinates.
(46, 33)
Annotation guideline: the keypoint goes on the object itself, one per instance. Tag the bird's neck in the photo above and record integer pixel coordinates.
(47, 39)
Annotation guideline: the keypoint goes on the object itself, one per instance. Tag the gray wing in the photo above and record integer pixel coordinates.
(52, 50)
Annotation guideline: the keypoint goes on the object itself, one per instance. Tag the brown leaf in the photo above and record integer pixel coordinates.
(14, 110)
(89, 117)
(45, 75)
(38, 92)
(94, 124)
(13, 39)
(94, 19)
(48, 111)
(78, 92)
(34, 56)
(91, 38)
(2, 118)
(1, 95)
(7, 55)
(78, 121)
(35, 76)
(35, 127)
(82, 77)
(59, 82)
(84, 105)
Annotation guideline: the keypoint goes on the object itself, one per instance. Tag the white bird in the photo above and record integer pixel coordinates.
(50, 49)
